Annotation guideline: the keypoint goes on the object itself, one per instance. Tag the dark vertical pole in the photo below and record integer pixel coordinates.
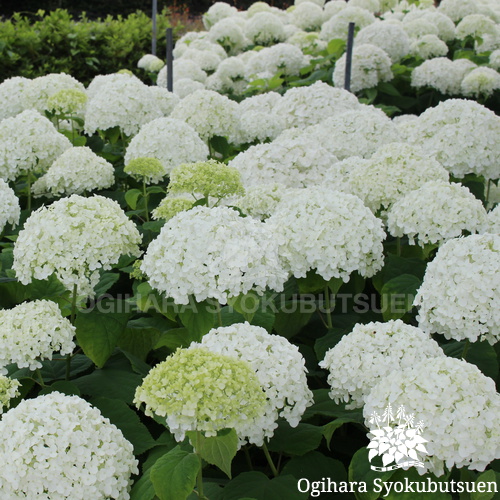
(170, 60)
(348, 57)
(153, 38)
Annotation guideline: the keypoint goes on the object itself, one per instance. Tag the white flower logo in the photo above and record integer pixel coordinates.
(396, 440)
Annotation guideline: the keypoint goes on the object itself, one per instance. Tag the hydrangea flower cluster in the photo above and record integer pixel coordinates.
(279, 367)
(12, 96)
(182, 69)
(394, 170)
(332, 233)
(445, 26)
(38, 91)
(461, 134)
(494, 220)
(208, 113)
(32, 331)
(264, 28)
(28, 142)
(481, 82)
(428, 47)
(307, 16)
(338, 24)
(292, 159)
(151, 63)
(151, 170)
(171, 206)
(358, 132)
(216, 392)
(470, 310)
(260, 201)
(216, 12)
(58, 447)
(8, 391)
(369, 353)
(75, 238)
(10, 210)
(229, 34)
(436, 212)
(370, 65)
(210, 179)
(67, 101)
(213, 253)
(303, 106)
(458, 405)
(78, 170)
(169, 140)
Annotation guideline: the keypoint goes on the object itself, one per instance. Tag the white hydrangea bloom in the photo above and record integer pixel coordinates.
(33, 331)
(306, 41)
(101, 81)
(209, 114)
(187, 39)
(207, 60)
(217, 12)
(229, 256)
(494, 59)
(368, 354)
(333, 7)
(369, 5)
(417, 28)
(476, 25)
(78, 170)
(37, 91)
(481, 82)
(283, 57)
(428, 47)
(182, 69)
(280, 369)
(458, 405)
(320, 3)
(265, 28)
(202, 43)
(436, 212)
(57, 446)
(332, 233)
(28, 142)
(257, 7)
(151, 63)
(229, 35)
(441, 74)
(12, 96)
(171, 141)
(126, 103)
(469, 311)
(307, 16)
(458, 9)
(303, 106)
(8, 391)
(394, 170)
(370, 65)
(494, 221)
(292, 159)
(462, 135)
(10, 210)
(338, 25)
(337, 176)
(74, 238)
(445, 26)
(186, 86)
(358, 132)
(229, 77)
(390, 37)
(260, 201)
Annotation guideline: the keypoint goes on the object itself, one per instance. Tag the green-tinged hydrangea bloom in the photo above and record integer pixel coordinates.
(8, 390)
(136, 272)
(150, 169)
(209, 178)
(67, 101)
(171, 206)
(198, 390)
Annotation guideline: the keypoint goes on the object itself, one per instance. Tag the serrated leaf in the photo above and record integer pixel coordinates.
(143, 489)
(295, 440)
(62, 386)
(398, 295)
(198, 318)
(246, 304)
(217, 450)
(174, 474)
(131, 197)
(486, 477)
(106, 281)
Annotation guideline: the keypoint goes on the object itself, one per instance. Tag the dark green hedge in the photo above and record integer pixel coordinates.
(34, 45)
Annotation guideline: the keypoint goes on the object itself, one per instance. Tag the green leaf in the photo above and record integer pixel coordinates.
(330, 428)
(388, 88)
(105, 283)
(138, 341)
(295, 440)
(398, 295)
(98, 331)
(218, 450)
(327, 342)
(336, 46)
(290, 319)
(258, 486)
(61, 386)
(174, 474)
(247, 304)
(359, 470)
(413, 475)
(143, 489)
(198, 318)
(325, 406)
(131, 197)
(176, 337)
(315, 466)
(110, 383)
(127, 420)
(395, 266)
(490, 476)
(220, 145)
(312, 283)
(481, 354)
